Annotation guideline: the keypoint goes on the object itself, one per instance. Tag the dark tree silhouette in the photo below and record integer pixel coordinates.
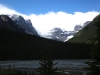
(46, 63)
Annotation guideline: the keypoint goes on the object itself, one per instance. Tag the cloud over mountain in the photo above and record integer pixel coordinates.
(45, 22)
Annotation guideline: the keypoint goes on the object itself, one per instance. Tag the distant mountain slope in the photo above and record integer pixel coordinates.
(80, 26)
(59, 34)
(63, 35)
(86, 33)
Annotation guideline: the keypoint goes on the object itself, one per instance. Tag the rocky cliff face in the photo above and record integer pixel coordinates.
(17, 23)
(7, 23)
(24, 24)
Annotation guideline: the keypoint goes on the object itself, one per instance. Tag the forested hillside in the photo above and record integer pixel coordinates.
(19, 46)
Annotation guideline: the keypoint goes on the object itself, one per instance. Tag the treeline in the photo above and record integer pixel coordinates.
(19, 46)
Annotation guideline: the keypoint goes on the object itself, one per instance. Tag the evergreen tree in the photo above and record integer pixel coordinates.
(94, 65)
(46, 63)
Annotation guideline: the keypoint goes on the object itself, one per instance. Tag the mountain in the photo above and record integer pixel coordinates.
(86, 23)
(80, 26)
(25, 24)
(59, 35)
(77, 27)
(15, 44)
(87, 32)
(63, 35)
(7, 23)
(18, 24)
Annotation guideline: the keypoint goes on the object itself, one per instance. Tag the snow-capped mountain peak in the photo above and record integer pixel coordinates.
(63, 35)
(59, 34)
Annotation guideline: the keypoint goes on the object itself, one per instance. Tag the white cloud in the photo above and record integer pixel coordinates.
(45, 22)
(69, 37)
(5, 10)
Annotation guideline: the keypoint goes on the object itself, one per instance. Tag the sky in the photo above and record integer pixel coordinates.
(47, 14)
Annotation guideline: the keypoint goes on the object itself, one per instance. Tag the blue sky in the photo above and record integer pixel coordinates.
(44, 6)
(47, 14)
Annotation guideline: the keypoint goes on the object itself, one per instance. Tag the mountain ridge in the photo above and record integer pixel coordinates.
(7, 23)
(24, 23)
(58, 34)
(87, 33)
(63, 35)
(18, 45)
